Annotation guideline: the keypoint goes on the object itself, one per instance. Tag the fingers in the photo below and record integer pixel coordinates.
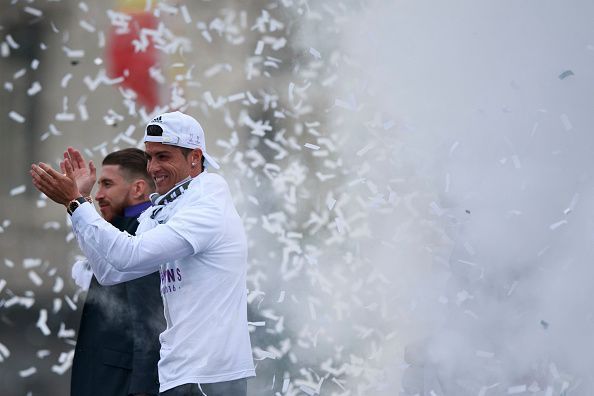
(92, 169)
(35, 181)
(68, 167)
(40, 174)
(41, 180)
(76, 157)
(51, 171)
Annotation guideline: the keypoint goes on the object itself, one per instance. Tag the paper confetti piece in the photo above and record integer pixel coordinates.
(64, 332)
(33, 11)
(311, 146)
(28, 372)
(565, 74)
(18, 190)
(41, 322)
(4, 352)
(566, 123)
(73, 53)
(281, 297)
(16, 117)
(316, 54)
(65, 361)
(35, 278)
(13, 44)
(65, 80)
(558, 224)
(35, 88)
(87, 26)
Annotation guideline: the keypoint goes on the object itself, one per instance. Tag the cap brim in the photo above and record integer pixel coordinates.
(210, 160)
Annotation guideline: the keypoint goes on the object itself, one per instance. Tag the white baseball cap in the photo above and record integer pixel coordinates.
(182, 130)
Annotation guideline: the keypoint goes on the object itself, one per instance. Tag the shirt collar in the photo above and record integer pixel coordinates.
(135, 210)
(172, 194)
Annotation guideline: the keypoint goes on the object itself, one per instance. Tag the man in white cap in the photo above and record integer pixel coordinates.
(195, 237)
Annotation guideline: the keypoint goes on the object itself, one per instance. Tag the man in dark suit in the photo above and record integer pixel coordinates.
(117, 349)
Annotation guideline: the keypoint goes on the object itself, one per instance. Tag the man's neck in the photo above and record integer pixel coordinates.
(173, 193)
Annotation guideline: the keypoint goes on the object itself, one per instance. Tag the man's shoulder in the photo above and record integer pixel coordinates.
(205, 185)
(207, 179)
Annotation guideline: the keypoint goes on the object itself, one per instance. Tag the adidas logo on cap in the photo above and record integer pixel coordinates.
(157, 119)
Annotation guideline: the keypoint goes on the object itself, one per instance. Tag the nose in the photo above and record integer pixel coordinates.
(151, 166)
(100, 194)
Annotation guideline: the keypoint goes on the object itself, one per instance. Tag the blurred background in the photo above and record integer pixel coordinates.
(415, 178)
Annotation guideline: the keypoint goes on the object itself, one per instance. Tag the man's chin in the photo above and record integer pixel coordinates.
(107, 214)
(163, 189)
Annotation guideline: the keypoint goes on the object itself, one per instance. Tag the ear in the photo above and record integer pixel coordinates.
(196, 157)
(138, 189)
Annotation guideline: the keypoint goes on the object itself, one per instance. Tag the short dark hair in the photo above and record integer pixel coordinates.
(186, 151)
(133, 163)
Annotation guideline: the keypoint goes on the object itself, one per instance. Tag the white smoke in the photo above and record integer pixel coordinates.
(491, 159)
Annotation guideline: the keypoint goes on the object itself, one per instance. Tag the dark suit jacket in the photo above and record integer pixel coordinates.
(117, 348)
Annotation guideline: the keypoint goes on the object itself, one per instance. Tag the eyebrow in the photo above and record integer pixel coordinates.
(157, 153)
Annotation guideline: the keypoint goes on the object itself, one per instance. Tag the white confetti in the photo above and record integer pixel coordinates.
(185, 14)
(18, 190)
(13, 44)
(35, 88)
(281, 297)
(16, 117)
(28, 372)
(87, 26)
(41, 322)
(33, 11)
(436, 209)
(73, 53)
(236, 97)
(65, 361)
(311, 146)
(64, 332)
(35, 278)
(454, 147)
(70, 303)
(4, 49)
(65, 80)
(19, 73)
(4, 352)
(516, 161)
(566, 123)
(558, 224)
(31, 263)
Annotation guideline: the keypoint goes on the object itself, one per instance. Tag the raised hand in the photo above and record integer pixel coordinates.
(58, 187)
(85, 178)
